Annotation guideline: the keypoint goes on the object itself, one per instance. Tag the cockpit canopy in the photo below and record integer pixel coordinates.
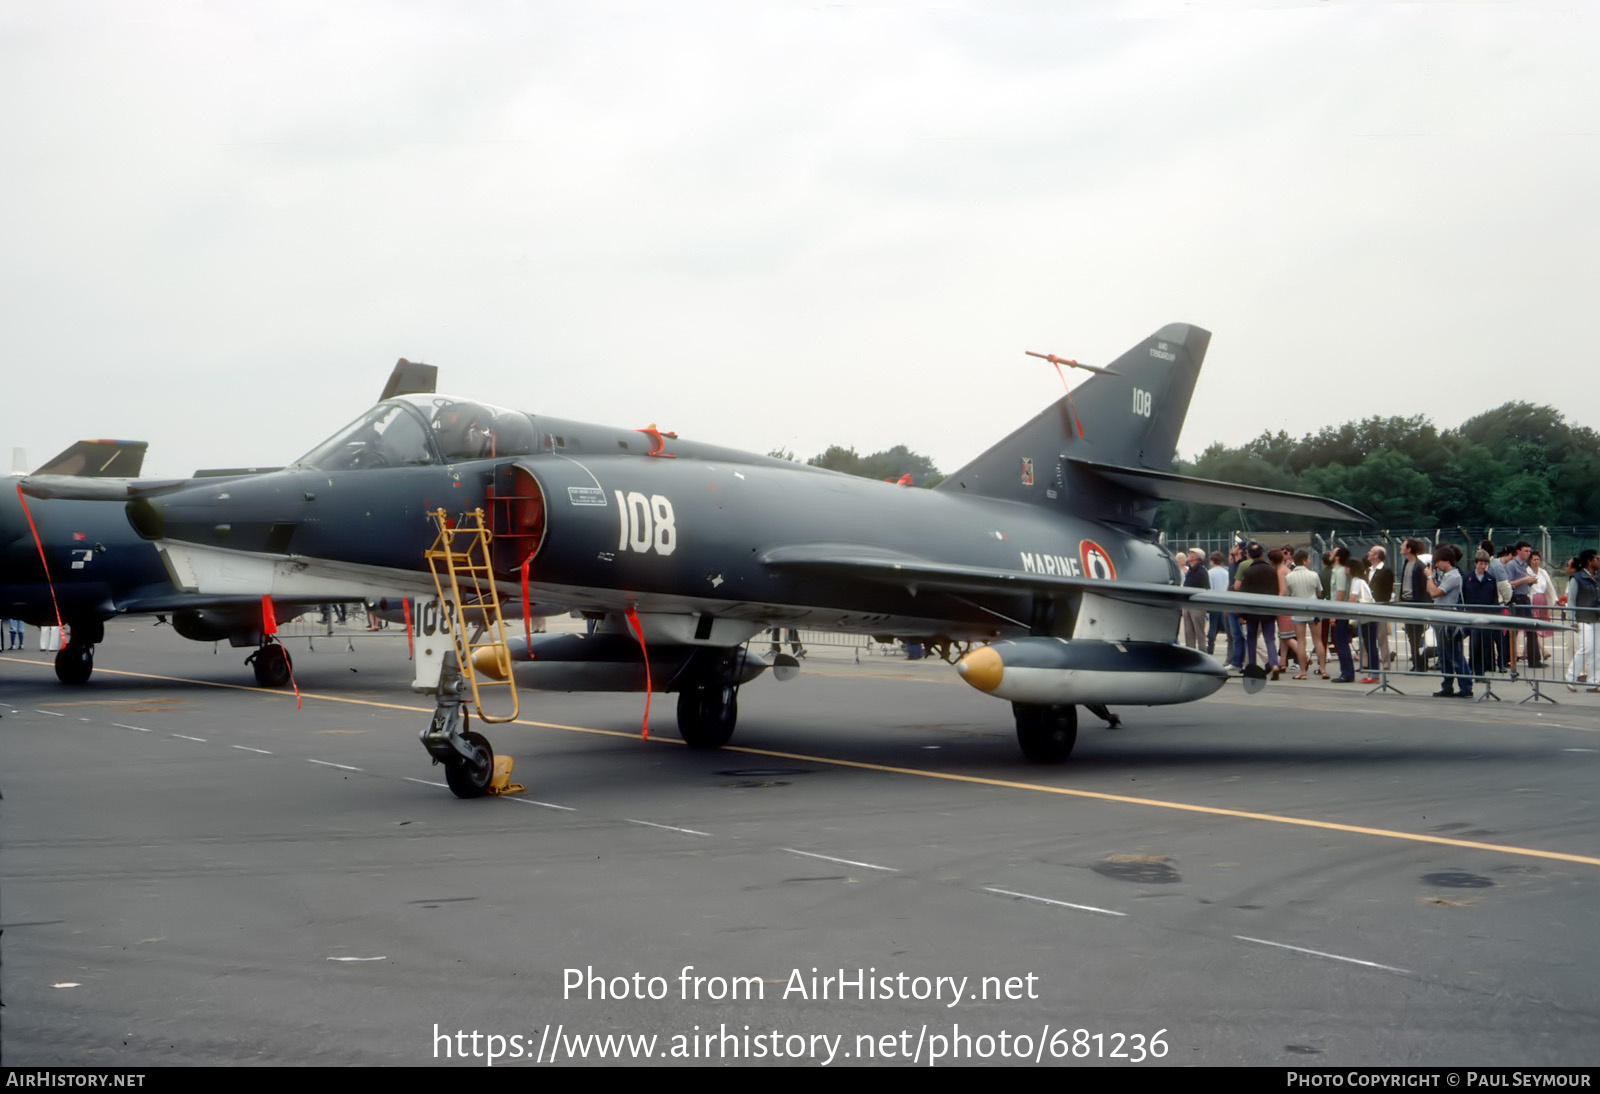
(424, 429)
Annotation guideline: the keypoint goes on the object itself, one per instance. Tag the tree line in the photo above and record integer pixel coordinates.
(1516, 465)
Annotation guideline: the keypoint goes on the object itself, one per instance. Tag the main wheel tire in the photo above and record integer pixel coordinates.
(1046, 733)
(272, 666)
(470, 778)
(74, 663)
(706, 715)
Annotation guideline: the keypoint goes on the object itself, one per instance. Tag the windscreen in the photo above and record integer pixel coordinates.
(388, 435)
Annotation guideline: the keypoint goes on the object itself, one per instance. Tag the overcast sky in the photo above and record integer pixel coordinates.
(786, 224)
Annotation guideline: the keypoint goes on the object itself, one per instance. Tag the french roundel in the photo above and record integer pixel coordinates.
(1096, 562)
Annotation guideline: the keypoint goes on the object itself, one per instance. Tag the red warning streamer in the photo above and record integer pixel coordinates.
(405, 610)
(48, 583)
(527, 617)
(638, 632)
(1058, 362)
(269, 626)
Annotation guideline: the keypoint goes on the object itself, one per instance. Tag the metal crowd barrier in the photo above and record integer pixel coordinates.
(1542, 661)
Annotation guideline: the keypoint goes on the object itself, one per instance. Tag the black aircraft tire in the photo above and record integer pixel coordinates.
(272, 666)
(1046, 733)
(75, 663)
(706, 715)
(470, 779)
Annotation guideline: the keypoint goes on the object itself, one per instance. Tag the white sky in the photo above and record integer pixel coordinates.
(784, 224)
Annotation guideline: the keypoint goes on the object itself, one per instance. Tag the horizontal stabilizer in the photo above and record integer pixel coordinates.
(98, 460)
(76, 488)
(1168, 486)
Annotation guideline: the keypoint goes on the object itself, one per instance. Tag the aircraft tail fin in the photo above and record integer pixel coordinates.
(98, 460)
(1129, 415)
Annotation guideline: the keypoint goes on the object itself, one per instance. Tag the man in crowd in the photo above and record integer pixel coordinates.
(1217, 575)
(1444, 586)
(1381, 580)
(1413, 588)
(1260, 577)
(1303, 582)
(1194, 619)
(1478, 589)
(1522, 580)
(1583, 597)
(1339, 590)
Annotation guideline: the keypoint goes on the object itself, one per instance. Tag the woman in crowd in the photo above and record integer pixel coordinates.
(1361, 592)
(1542, 594)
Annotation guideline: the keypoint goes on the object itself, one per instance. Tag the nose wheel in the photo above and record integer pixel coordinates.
(469, 777)
(1046, 733)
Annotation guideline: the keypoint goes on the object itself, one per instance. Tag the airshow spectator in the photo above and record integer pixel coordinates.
(1583, 596)
(1234, 621)
(1260, 577)
(1478, 589)
(1218, 576)
(1502, 580)
(16, 634)
(1541, 596)
(1522, 581)
(1289, 644)
(1194, 619)
(1381, 578)
(1339, 588)
(1304, 583)
(1444, 586)
(1413, 586)
(1361, 593)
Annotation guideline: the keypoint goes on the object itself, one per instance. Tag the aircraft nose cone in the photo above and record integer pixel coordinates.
(982, 668)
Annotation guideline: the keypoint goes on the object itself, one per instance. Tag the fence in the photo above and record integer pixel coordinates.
(1474, 661)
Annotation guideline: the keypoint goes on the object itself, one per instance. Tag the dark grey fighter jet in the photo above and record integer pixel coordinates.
(70, 559)
(1042, 546)
(79, 563)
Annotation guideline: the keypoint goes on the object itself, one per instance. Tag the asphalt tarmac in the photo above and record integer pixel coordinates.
(194, 871)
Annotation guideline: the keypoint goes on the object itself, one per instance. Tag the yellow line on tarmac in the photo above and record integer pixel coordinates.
(975, 780)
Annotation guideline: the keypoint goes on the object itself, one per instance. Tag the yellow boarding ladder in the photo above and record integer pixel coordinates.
(472, 593)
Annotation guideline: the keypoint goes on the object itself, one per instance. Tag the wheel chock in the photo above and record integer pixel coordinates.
(500, 782)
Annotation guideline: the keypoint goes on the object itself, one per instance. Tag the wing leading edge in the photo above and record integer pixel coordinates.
(841, 561)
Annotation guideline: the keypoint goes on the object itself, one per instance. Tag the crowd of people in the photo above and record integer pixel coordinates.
(1510, 580)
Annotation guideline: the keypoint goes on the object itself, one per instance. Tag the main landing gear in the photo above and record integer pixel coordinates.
(271, 663)
(1046, 733)
(75, 662)
(707, 712)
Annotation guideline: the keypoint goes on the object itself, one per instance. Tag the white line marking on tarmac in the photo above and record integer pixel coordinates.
(83, 719)
(52, 713)
(247, 748)
(1319, 953)
(425, 782)
(1580, 750)
(383, 958)
(185, 737)
(530, 801)
(325, 763)
(668, 827)
(845, 861)
(1057, 903)
(141, 729)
